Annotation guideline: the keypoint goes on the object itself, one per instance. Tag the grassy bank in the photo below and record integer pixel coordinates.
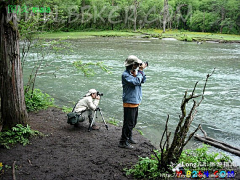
(154, 33)
(87, 34)
(193, 36)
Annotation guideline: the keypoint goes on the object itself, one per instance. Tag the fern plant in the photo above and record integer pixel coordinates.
(19, 134)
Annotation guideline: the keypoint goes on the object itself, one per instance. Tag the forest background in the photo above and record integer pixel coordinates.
(216, 16)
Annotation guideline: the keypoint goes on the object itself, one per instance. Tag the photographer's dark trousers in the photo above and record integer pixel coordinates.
(129, 122)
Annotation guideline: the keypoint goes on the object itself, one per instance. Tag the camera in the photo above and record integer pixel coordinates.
(99, 94)
(145, 63)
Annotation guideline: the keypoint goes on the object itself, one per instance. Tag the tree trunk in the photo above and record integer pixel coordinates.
(136, 4)
(165, 14)
(203, 28)
(222, 19)
(13, 107)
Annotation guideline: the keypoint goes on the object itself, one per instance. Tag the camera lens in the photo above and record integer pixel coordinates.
(99, 94)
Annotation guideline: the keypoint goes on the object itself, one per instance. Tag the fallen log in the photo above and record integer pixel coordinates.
(219, 144)
(225, 144)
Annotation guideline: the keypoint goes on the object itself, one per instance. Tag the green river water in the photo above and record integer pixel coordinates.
(174, 67)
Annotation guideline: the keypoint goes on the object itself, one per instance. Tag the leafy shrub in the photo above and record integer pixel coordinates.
(37, 100)
(19, 134)
(200, 156)
(147, 168)
(185, 38)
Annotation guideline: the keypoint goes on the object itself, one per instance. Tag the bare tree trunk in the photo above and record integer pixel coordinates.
(170, 154)
(203, 28)
(136, 4)
(222, 19)
(83, 3)
(165, 14)
(13, 108)
(178, 15)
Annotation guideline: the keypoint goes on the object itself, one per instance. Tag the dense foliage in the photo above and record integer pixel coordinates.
(37, 100)
(191, 160)
(19, 134)
(72, 15)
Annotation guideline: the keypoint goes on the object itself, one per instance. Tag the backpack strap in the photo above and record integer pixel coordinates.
(74, 107)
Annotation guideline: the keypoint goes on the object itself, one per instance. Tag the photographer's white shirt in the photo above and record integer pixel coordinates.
(86, 103)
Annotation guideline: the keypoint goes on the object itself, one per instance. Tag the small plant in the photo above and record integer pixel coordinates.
(201, 159)
(5, 168)
(18, 134)
(140, 132)
(37, 100)
(145, 168)
(185, 38)
(148, 168)
(113, 121)
(1, 167)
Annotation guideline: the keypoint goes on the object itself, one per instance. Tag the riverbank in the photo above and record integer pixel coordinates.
(68, 152)
(153, 33)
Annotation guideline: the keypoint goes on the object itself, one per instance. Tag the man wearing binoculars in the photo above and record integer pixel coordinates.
(87, 105)
(132, 78)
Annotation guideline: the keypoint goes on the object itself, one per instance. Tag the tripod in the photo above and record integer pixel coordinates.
(95, 116)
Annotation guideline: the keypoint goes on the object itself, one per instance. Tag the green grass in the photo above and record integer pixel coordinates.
(200, 36)
(113, 121)
(147, 33)
(82, 34)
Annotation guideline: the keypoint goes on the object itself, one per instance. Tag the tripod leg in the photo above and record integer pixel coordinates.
(92, 121)
(103, 120)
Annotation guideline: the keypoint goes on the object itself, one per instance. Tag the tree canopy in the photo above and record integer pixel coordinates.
(73, 15)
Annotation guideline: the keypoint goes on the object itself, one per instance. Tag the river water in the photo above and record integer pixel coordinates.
(174, 67)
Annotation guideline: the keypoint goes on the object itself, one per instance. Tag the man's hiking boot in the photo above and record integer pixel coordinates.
(131, 141)
(94, 127)
(125, 145)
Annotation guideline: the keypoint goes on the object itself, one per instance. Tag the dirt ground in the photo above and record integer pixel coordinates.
(71, 153)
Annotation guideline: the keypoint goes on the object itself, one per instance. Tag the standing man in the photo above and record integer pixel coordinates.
(132, 78)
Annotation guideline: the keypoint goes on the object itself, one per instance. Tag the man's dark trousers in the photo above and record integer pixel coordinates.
(129, 122)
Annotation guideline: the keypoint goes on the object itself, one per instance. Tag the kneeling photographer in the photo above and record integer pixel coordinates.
(87, 105)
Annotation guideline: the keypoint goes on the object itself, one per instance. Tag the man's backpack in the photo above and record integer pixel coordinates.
(73, 118)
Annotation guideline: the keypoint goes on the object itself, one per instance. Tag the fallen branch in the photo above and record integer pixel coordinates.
(219, 144)
(13, 171)
(204, 132)
(216, 143)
